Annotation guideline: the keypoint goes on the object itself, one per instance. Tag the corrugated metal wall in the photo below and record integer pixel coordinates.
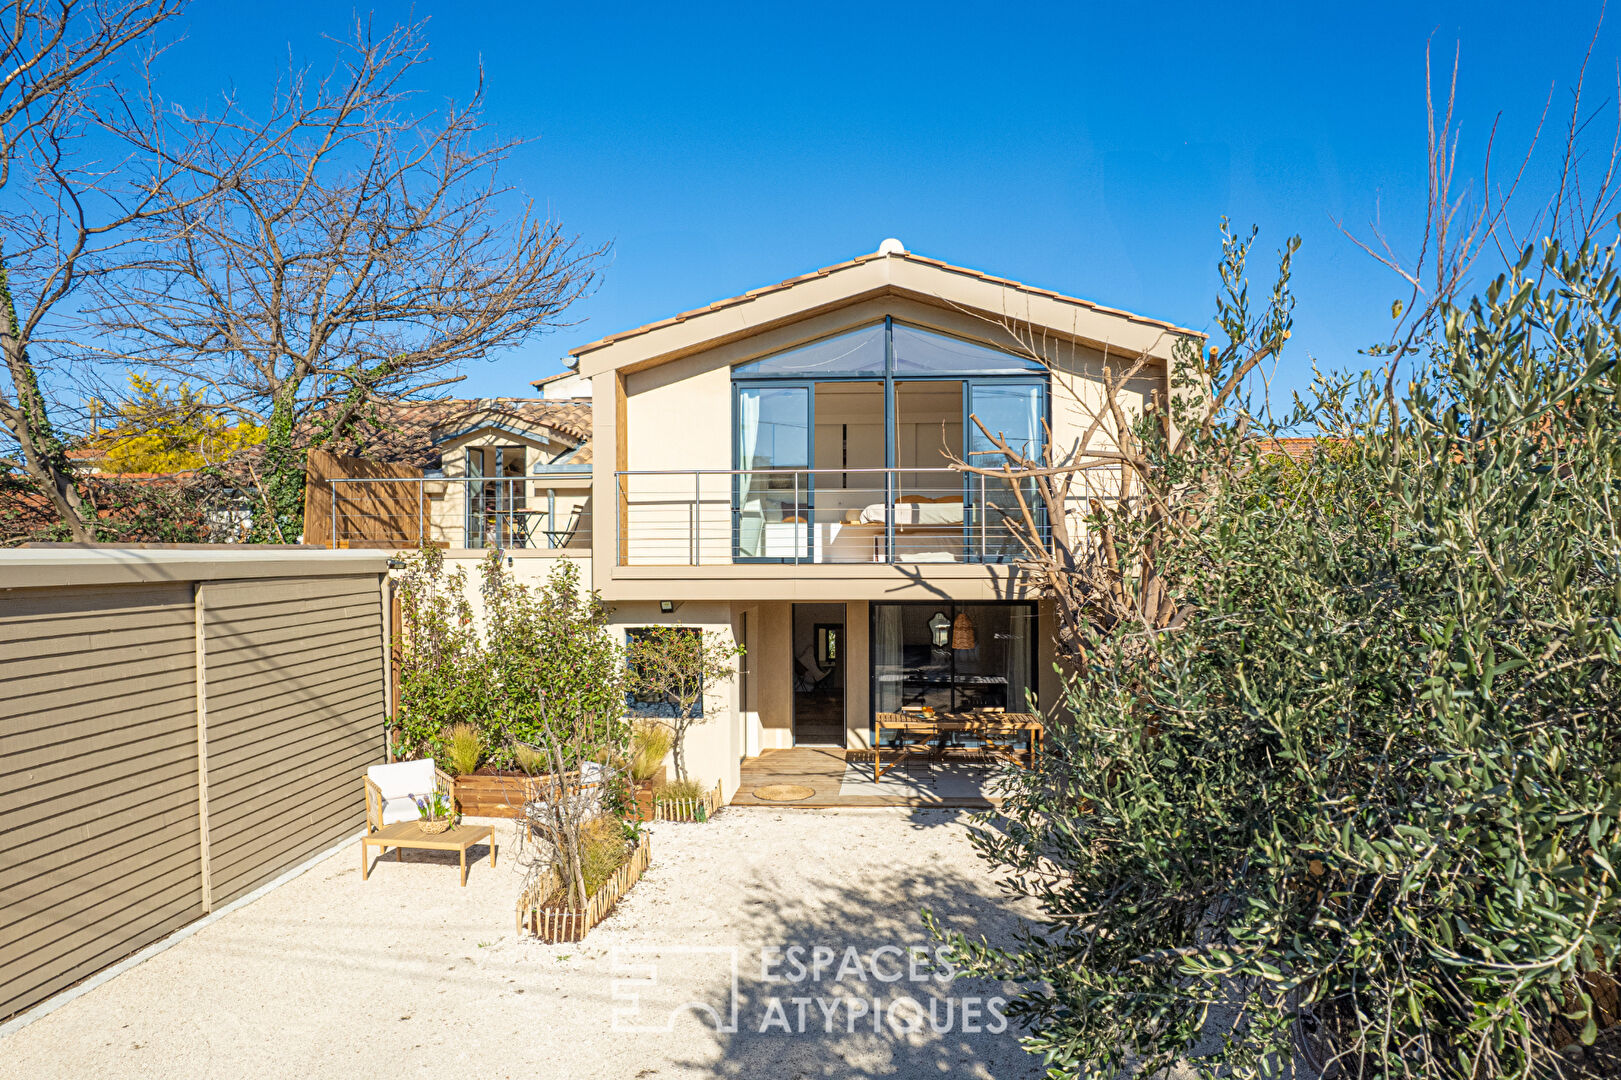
(102, 845)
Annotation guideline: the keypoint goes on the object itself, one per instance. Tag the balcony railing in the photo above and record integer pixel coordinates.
(702, 517)
(526, 512)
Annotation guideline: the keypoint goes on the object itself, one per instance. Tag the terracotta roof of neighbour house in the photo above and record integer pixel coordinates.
(411, 434)
(857, 261)
(1301, 448)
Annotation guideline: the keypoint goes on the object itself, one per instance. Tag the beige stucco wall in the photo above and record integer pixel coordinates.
(714, 746)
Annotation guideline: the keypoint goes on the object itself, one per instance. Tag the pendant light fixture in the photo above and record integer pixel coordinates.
(962, 632)
(939, 629)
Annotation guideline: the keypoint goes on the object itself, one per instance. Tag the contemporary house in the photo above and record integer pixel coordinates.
(777, 467)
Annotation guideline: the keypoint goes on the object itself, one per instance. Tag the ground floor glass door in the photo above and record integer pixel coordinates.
(953, 657)
(819, 668)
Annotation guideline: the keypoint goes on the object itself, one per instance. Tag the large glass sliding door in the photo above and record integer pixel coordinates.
(772, 496)
(1013, 411)
(953, 657)
(913, 510)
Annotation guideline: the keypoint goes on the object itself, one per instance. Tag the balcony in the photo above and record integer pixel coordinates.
(710, 517)
(548, 514)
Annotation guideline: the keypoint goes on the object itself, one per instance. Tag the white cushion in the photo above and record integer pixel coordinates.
(402, 784)
(404, 778)
(401, 809)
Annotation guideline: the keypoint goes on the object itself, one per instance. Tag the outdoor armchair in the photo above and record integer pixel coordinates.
(397, 792)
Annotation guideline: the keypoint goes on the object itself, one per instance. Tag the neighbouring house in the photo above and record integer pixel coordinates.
(470, 473)
(565, 386)
(776, 467)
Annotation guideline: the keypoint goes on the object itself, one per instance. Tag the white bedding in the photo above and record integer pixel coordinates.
(910, 513)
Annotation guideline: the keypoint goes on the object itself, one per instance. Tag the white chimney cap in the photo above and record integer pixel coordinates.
(892, 246)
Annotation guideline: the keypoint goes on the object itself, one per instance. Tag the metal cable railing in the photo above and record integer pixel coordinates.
(523, 512)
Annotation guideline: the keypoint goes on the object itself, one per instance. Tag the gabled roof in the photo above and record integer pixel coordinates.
(902, 271)
(411, 434)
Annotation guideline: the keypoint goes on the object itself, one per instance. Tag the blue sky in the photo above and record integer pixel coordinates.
(1087, 148)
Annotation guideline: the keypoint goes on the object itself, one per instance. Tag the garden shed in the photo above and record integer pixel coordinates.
(178, 727)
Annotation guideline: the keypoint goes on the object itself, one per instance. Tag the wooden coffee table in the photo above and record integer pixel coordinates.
(409, 834)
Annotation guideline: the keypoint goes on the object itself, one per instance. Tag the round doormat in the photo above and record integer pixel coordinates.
(783, 792)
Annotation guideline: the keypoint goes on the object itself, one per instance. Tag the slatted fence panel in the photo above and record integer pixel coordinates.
(294, 676)
(98, 780)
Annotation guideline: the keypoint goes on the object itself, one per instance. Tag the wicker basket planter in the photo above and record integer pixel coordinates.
(558, 925)
(430, 826)
(700, 809)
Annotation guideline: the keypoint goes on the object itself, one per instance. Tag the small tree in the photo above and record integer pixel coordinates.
(557, 672)
(674, 665)
(441, 659)
(161, 428)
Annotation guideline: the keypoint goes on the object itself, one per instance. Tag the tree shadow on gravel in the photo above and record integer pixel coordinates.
(843, 983)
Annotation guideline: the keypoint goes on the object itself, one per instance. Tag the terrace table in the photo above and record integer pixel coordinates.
(409, 834)
(919, 733)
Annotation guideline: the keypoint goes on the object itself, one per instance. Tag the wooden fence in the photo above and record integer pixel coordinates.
(701, 808)
(557, 925)
(377, 515)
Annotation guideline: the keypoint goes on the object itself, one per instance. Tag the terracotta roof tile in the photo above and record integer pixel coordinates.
(406, 433)
(857, 261)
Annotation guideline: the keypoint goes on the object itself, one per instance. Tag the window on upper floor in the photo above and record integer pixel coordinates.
(865, 352)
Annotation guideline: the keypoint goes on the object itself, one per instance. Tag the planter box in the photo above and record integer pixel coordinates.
(700, 809)
(643, 793)
(488, 793)
(558, 925)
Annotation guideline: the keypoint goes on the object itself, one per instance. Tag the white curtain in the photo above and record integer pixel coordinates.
(1021, 637)
(751, 522)
(886, 657)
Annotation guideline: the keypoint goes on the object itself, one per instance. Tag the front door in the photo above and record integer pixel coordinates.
(819, 674)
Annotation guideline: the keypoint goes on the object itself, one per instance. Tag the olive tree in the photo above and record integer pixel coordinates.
(1357, 805)
(675, 667)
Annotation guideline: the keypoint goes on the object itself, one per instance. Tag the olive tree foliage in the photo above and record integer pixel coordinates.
(1358, 804)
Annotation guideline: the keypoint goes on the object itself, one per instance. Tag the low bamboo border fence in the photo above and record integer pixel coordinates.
(556, 926)
(701, 808)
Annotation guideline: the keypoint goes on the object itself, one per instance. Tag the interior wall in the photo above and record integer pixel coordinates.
(805, 618)
(928, 425)
(849, 435)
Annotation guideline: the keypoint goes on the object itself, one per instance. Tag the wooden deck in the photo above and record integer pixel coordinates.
(821, 768)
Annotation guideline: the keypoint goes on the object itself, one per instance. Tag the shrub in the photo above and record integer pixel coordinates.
(604, 848)
(464, 748)
(528, 759)
(650, 744)
(681, 789)
(1368, 791)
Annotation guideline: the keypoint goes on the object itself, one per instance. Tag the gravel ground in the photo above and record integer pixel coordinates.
(409, 975)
